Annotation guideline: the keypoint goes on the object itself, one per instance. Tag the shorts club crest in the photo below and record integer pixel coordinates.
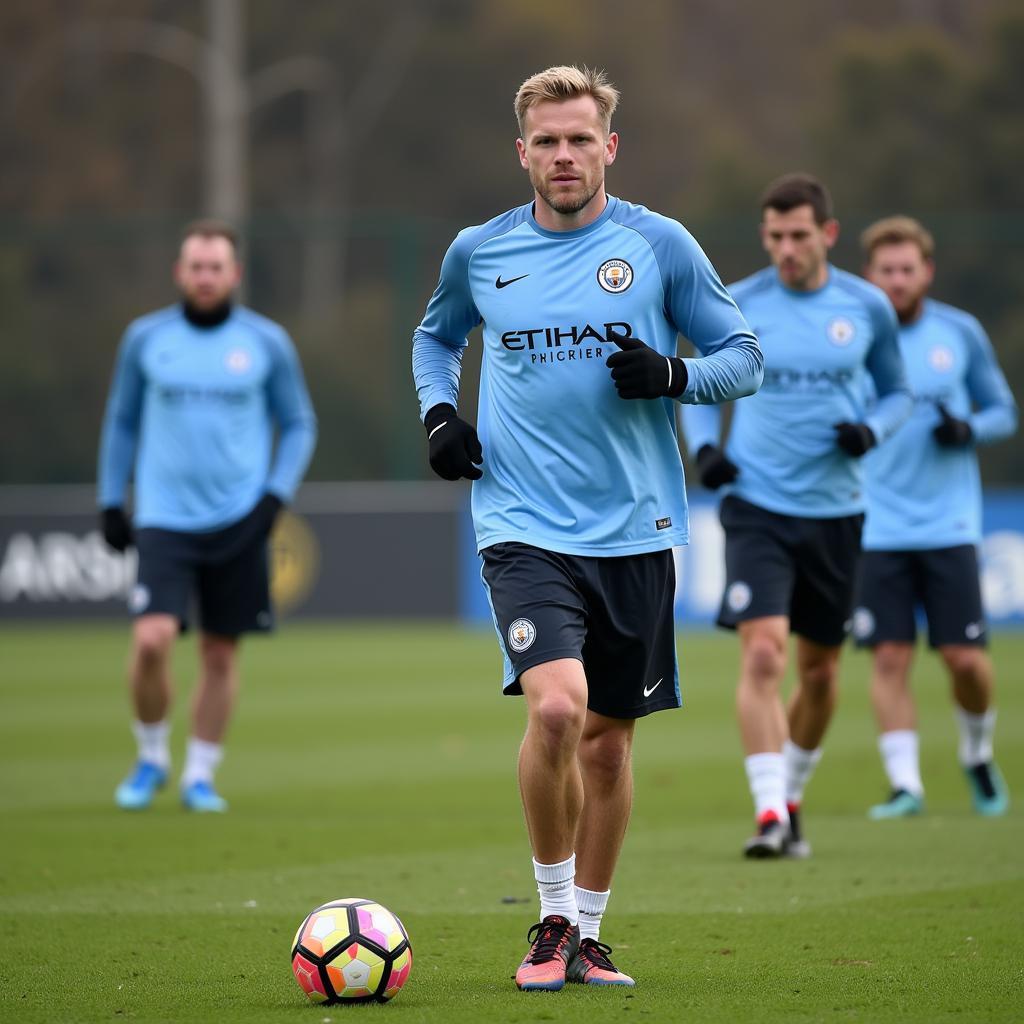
(521, 635)
(739, 596)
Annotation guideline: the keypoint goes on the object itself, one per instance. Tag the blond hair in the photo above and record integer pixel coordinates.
(893, 231)
(567, 82)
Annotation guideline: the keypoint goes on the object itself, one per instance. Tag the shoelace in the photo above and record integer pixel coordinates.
(597, 953)
(549, 937)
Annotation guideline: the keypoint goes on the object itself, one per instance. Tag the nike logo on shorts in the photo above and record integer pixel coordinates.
(648, 692)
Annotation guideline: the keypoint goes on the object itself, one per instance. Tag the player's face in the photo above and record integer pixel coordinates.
(207, 271)
(798, 245)
(902, 272)
(565, 152)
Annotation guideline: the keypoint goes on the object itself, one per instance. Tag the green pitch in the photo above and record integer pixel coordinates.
(379, 761)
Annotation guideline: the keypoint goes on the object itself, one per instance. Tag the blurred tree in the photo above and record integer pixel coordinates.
(387, 126)
(912, 126)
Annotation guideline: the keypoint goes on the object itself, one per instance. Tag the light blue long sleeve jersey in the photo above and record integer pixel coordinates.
(193, 409)
(920, 494)
(568, 465)
(820, 347)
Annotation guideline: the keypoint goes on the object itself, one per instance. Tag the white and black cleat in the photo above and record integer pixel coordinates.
(770, 839)
(796, 847)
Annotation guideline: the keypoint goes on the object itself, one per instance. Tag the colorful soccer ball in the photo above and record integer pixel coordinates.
(351, 951)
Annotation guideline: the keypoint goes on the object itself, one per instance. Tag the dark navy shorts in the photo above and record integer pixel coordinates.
(615, 615)
(225, 570)
(800, 567)
(944, 581)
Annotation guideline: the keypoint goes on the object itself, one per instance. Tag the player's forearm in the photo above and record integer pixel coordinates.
(889, 413)
(436, 369)
(702, 425)
(294, 450)
(732, 372)
(996, 423)
(117, 453)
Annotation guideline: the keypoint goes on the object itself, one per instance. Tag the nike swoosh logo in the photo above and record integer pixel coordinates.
(647, 692)
(498, 283)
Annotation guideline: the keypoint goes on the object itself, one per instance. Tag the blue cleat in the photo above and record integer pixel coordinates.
(202, 798)
(989, 794)
(137, 791)
(902, 804)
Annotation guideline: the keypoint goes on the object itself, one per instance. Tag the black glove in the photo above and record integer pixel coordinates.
(640, 372)
(715, 468)
(454, 446)
(854, 438)
(116, 528)
(267, 509)
(952, 432)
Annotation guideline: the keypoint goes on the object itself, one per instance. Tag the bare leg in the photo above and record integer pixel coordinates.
(970, 671)
(890, 687)
(217, 689)
(759, 709)
(814, 699)
(153, 637)
(549, 772)
(605, 764)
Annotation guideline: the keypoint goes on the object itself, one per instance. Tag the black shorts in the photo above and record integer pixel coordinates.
(613, 614)
(226, 570)
(789, 565)
(944, 581)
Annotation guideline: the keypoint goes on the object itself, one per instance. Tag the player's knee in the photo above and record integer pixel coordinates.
(218, 655)
(819, 678)
(892, 663)
(606, 757)
(764, 661)
(560, 718)
(153, 639)
(966, 663)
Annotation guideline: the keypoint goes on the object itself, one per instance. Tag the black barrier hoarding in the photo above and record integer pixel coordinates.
(352, 550)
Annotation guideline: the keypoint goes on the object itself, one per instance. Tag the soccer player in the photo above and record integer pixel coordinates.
(197, 391)
(578, 495)
(794, 508)
(924, 522)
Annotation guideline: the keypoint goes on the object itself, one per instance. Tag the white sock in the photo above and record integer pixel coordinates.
(592, 906)
(975, 736)
(800, 765)
(201, 760)
(766, 774)
(152, 739)
(902, 764)
(556, 889)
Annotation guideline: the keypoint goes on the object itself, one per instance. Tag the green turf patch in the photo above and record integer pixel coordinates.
(379, 761)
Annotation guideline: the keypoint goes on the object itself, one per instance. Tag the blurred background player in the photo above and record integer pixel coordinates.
(580, 497)
(794, 510)
(197, 391)
(924, 522)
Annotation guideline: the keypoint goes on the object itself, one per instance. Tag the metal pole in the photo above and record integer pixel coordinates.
(226, 185)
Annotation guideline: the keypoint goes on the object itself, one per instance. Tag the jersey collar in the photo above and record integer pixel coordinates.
(594, 225)
(800, 293)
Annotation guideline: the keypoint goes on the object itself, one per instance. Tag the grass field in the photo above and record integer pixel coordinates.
(379, 761)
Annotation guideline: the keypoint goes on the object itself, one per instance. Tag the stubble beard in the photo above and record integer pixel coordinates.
(566, 205)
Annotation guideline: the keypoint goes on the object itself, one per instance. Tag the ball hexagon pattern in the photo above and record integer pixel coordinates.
(379, 925)
(351, 950)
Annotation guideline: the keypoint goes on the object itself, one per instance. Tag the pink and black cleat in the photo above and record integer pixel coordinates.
(591, 966)
(554, 943)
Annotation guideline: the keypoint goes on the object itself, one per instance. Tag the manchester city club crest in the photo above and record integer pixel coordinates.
(840, 331)
(238, 360)
(615, 276)
(940, 359)
(521, 634)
